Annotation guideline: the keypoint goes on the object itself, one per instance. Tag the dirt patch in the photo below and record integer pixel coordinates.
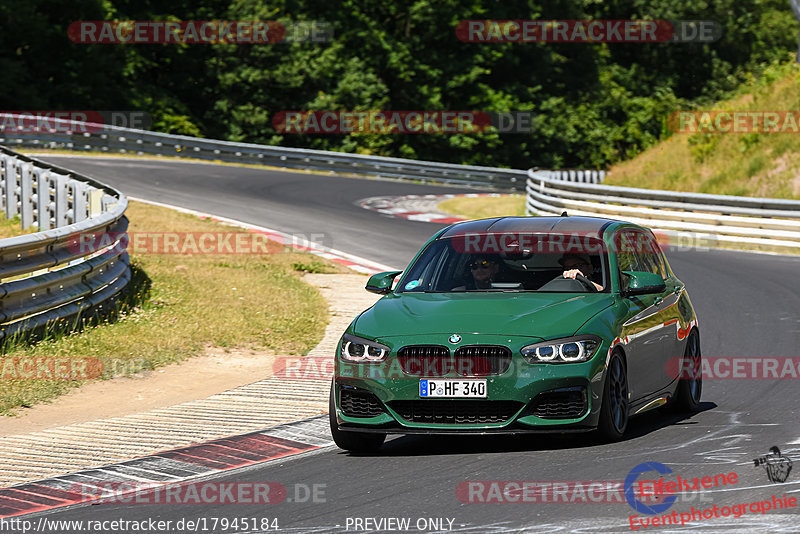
(215, 371)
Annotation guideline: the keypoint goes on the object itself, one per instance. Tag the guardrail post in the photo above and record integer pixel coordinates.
(80, 202)
(2, 182)
(26, 195)
(43, 207)
(10, 180)
(62, 202)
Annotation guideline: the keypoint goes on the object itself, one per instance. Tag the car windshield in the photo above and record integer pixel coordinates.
(500, 262)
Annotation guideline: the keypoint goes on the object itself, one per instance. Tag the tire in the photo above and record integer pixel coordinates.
(690, 388)
(352, 441)
(614, 411)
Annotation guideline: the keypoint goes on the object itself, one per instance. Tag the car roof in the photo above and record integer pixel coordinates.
(559, 225)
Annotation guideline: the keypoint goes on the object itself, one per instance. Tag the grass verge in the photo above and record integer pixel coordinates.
(233, 300)
(742, 164)
(11, 227)
(483, 207)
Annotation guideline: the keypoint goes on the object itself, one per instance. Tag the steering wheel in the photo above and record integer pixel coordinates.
(562, 283)
(587, 283)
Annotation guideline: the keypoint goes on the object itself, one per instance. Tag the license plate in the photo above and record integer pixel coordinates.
(452, 388)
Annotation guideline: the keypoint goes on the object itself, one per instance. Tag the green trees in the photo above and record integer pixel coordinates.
(594, 104)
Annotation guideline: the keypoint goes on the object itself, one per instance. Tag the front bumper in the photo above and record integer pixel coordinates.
(526, 398)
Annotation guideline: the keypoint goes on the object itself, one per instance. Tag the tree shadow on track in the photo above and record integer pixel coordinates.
(432, 445)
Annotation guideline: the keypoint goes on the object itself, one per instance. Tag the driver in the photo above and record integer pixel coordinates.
(577, 263)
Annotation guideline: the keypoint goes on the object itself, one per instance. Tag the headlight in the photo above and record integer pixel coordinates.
(569, 350)
(358, 349)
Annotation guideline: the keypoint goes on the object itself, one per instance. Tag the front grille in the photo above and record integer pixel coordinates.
(425, 360)
(355, 403)
(482, 360)
(461, 412)
(567, 403)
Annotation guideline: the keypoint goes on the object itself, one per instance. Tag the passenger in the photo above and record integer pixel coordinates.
(577, 263)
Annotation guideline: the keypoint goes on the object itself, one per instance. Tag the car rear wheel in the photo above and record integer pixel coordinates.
(352, 441)
(614, 410)
(690, 381)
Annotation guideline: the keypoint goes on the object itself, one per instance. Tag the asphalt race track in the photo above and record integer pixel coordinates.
(747, 305)
(295, 203)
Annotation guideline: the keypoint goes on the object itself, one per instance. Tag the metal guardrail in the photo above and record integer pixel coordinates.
(691, 217)
(578, 176)
(50, 276)
(72, 135)
(718, 218)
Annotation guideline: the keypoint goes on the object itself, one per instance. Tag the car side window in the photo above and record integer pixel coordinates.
(649, 254)
(637, 251)
(626, 257)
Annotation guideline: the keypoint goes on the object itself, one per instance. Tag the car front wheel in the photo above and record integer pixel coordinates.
(614, 410)
(352, 441)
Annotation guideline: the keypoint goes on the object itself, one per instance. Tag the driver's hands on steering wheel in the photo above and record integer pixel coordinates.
(574, 273)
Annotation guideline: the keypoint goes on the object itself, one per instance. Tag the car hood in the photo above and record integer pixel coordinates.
(546, 315)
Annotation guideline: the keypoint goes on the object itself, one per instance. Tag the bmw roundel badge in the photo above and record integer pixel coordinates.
(455, 338)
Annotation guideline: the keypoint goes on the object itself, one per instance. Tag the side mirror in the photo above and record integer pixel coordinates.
(643, 283)
(381, 283)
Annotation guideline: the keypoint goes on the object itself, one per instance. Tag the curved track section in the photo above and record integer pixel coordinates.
(291, 202)
(748, 307)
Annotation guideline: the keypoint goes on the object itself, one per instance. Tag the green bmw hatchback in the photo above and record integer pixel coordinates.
(515, 325)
